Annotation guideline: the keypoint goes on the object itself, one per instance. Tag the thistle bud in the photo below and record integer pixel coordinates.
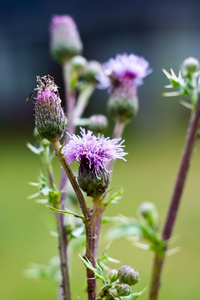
(50, 119)
(113, 275)
(98, 123)
(148, 211)
(123, 289)
(128, 275)
(65, 41)
(190, 65)
(90, 182)
(92, 71)
(77, 64)
(123, 103)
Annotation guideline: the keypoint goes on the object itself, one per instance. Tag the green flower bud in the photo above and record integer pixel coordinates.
(90, 182)
(123, 289)
(123, 103)
(190, 65)
(98, 123)
(112, 275)
(91, 72)
(64, 39)
(148, 211)
(128, 275)
(77, 64)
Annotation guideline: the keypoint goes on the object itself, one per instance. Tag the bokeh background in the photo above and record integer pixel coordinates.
(165, 33)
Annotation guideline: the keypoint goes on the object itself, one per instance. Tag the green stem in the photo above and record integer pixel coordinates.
(72, 179)
(191, 138)
(82, 101)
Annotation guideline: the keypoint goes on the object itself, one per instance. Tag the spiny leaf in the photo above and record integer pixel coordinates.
(34, 149)
(98, 274)
(114, 198)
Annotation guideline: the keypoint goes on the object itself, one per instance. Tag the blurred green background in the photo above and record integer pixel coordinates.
(165, 33)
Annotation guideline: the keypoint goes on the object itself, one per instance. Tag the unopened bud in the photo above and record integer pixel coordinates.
(98, 123)
(149, 212)
(91, 72)
(123, 289)
(128, 275)
(190, 65)
(77, 64)
(123, 103)
(50, 118)
(65, 41)
(90, 182)
(113, 275)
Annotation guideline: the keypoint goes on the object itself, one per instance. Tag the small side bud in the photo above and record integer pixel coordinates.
(190, 65)
(123, 289)
(77, 64)
(128, 275)
(65, 41)
(98, 123)
(112, 275)
(92, 71)
(50, 118)
(149, 213)
(123, 103)
(91, 183)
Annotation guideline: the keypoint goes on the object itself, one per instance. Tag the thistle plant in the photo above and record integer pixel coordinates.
(80, 200)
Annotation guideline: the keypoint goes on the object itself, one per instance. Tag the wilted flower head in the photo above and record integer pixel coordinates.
(124, 67)
(97, 150)
(93, 153)
(65, 41)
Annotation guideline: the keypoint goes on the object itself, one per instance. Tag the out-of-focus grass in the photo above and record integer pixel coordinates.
(148, 175)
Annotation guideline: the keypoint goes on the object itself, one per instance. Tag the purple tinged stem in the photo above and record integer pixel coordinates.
(192, 135)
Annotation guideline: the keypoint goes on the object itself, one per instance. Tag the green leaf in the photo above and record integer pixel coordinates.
(186, 104)
(127, 227)
(66, 211)
(98, 274)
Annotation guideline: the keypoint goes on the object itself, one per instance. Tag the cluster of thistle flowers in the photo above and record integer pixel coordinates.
(121, 76)
(91, 149)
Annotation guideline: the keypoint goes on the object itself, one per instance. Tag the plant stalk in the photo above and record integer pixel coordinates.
(62, 242)
(192, 134)
(72, 179)
(92, 238)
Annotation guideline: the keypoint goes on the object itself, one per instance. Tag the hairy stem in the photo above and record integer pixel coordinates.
(176, 196)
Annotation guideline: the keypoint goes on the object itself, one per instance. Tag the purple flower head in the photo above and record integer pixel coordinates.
(131, 68)
(97, 151)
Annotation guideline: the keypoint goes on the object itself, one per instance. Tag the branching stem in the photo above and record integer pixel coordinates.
(176, 197)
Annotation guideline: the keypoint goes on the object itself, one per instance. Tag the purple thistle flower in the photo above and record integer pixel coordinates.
(124, 68)
(93, 153)
(97, 150)
(65, 41)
